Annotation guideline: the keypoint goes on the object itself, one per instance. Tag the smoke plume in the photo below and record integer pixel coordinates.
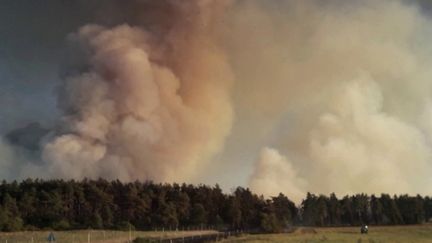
(7, 158)
(274, 174)
(149, 105)
(350, 89)
(329, 96)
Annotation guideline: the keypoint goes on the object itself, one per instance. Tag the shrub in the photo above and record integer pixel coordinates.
(125, 226)
(61, 225)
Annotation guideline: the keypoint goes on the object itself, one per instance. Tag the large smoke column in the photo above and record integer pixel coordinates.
(329, 96)
(348, 89)
(152, 104)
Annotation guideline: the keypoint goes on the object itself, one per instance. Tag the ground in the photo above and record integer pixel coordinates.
(96, 236)
(393, 234)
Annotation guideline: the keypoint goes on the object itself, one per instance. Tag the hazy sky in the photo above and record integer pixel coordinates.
(316, 86)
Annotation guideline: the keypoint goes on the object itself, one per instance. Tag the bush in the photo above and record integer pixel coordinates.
(15, 224)
(97, 222)
(61, 225)
(125, 226)
(269, 223)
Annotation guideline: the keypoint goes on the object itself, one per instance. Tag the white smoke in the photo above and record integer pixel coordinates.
(337, 93)
(352, 108)
(361, 148)
(275, 174)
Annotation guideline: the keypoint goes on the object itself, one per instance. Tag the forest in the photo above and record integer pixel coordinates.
(101, 204)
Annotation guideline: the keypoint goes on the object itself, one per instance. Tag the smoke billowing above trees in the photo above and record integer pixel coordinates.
(332, 96)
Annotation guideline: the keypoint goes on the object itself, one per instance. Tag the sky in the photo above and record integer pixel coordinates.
(280, 96)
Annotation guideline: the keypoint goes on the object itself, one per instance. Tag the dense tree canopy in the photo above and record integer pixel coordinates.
(363, 209)
(97, 204)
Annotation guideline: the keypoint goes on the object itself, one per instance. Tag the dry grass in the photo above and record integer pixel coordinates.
(96, 236)
(393, 234)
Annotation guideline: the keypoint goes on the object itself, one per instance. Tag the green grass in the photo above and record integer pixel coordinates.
(393, 234)
(96, 236)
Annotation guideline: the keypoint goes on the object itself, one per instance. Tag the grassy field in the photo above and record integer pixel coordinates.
(95, 236)
(402, 234)
(393, 234)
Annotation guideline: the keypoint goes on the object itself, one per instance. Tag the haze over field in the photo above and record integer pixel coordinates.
(281, 96)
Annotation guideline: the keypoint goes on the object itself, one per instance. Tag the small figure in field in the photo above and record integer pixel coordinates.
(364, 229)
(51, 237)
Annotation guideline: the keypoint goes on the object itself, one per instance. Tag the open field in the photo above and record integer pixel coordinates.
(402, 234)
(96, 236)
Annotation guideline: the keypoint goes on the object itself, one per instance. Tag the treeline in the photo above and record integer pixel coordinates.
(101, 204)
(363, 209)
(97, 204)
